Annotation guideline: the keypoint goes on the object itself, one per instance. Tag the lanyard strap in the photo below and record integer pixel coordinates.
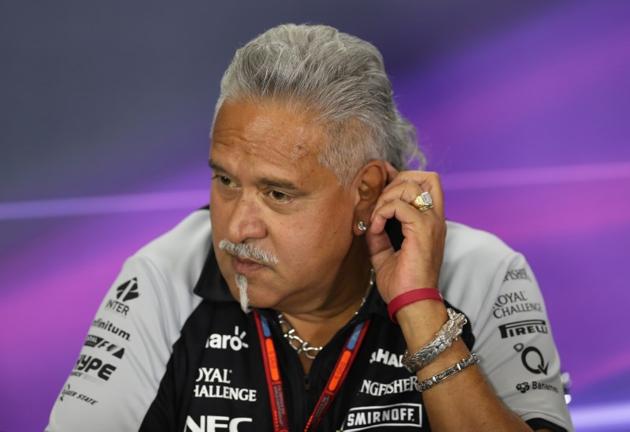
(274, 380)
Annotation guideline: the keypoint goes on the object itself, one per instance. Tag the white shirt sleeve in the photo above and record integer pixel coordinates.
(119, 368)
(130, 341)
(516, 347)
(496, 289)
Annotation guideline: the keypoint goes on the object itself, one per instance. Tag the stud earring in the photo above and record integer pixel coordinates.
(361, 226)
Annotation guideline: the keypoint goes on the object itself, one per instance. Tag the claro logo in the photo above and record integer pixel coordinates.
(211, 423)
(235, 342)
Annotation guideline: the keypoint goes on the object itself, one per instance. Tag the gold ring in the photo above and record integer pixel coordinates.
(423, 202)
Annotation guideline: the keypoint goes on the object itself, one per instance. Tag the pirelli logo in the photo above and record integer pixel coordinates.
(521, 328)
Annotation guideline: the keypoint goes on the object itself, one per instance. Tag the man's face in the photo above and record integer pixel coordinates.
(270, 191)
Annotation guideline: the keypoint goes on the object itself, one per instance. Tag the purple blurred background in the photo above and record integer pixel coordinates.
(522, 106)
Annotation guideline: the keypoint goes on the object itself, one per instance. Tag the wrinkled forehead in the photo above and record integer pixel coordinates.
(271, 130)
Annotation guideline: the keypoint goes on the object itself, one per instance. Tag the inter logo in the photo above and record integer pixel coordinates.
(128, 290)
(124, 293)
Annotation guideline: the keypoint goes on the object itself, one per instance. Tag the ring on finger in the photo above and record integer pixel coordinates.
(423, 202)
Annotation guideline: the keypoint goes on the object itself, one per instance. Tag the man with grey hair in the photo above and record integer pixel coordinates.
(327, 292)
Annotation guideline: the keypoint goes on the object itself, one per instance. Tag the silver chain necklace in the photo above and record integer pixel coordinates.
(302, 346)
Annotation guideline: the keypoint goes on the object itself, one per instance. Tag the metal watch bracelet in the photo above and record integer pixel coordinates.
(444, 338)
(455, 369)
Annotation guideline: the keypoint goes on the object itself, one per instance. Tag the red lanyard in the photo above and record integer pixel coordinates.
(274, 380)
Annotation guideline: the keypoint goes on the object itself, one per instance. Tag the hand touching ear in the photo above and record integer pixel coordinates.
(417, 264)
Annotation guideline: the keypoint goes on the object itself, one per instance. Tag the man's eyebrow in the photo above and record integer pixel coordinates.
(280, 184)
(215, 166)
(264, 181)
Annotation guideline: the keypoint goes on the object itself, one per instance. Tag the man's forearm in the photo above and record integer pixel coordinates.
(464, 401)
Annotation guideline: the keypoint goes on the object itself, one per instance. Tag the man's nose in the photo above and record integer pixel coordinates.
(246, 220)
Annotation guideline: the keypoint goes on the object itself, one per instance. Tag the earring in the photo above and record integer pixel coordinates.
(361, 226)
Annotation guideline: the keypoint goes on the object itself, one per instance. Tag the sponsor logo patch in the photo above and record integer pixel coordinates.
(375, 388)
(383, 416)
(513, 303)
(522, 328)
(211, 423)
(516, 274)
(98, 342)
(235, 342)
(128, 290)
(111, 328)
(387, 358)
(532, 359)
(91, 366)
(215, 383)
(68, 393)
(124, 293)
(526, 386)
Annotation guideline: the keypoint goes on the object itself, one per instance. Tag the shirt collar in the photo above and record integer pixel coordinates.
(211, 285)
(374, 305)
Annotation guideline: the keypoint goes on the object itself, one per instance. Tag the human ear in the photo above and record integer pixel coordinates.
(367, 186)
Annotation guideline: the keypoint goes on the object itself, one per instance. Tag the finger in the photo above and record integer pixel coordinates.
(412, 220)
(427, 181)
(394, 177)
(379, 248)
(406, 191)
(391, 171)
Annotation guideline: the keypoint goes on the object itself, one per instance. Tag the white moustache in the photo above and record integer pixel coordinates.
(248, 251)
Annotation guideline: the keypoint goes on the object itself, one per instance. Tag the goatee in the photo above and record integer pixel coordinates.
(241, 283)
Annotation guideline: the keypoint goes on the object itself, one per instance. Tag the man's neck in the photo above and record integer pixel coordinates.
(340, 303)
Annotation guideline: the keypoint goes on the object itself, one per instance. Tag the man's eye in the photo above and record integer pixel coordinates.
(224, 180)
(279, 196)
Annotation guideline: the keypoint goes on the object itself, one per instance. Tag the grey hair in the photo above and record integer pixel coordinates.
(342, 78)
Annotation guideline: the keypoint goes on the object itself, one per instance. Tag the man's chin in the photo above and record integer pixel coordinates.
(256, 298)
(253, 301)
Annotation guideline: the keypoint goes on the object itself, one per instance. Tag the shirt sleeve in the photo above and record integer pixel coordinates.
(516, 347)
(123, 359)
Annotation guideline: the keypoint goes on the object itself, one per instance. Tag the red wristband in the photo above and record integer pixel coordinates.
(409, 297)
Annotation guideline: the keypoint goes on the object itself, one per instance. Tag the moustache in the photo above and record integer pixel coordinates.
(248, 251)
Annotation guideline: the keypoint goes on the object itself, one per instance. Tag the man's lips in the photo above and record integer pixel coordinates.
(245, 266)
